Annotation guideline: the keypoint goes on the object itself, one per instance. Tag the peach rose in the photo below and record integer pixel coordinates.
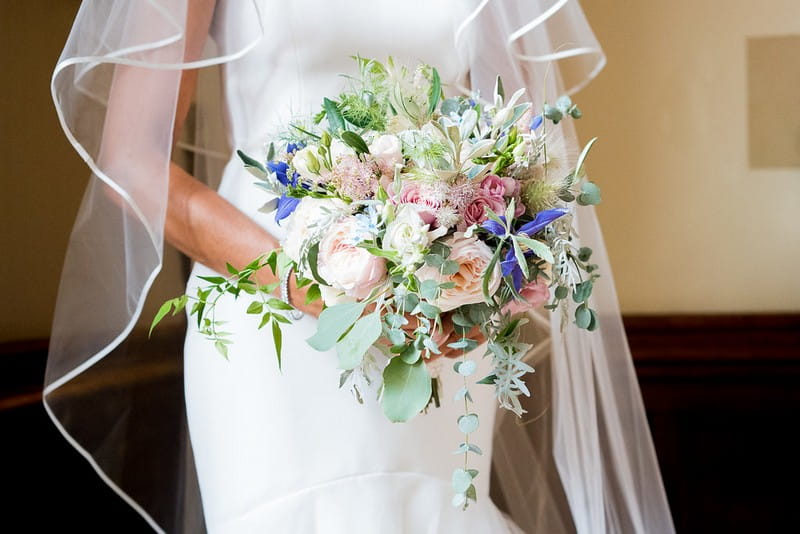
(473, 256)
(535, 293)
(345, 266)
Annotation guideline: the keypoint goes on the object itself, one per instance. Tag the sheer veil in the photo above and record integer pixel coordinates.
(582, 458)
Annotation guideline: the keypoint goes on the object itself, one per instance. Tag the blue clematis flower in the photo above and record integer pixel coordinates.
(510, 266)
(537, 121)
(286, 206)
(542, 219)
(280, 168)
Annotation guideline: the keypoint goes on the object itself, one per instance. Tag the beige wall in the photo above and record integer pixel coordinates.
(689, 226)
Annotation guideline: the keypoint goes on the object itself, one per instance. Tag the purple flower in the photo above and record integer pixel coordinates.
(542, 219)
(286, 206)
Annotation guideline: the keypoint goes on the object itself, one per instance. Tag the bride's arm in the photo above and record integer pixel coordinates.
(200, 223)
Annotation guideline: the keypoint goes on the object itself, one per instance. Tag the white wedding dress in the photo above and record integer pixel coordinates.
(291, 452)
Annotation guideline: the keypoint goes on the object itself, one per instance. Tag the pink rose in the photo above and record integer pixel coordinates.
(475, 212)
(511, 186)
(473, 256)
(345, 266)
(535, 293)
(493, 185)
(412, 193)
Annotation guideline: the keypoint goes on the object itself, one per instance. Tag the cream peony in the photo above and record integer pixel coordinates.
(311, 216)
(345, 266)
(473, 257)
(407, 235)
(387, 149)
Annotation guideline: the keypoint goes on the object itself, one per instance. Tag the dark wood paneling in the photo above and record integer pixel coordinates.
(721, 393)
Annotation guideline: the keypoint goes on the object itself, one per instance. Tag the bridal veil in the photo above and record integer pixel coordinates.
(581, 460)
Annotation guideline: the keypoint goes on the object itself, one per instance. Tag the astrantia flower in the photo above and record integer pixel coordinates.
(354, 178)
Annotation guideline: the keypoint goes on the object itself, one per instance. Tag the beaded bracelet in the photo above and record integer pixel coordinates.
(294, 313)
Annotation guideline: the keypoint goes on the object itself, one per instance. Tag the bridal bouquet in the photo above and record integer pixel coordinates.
(412, 215)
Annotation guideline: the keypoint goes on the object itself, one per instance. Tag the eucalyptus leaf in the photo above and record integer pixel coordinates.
(466, 368)
(333, 322)
(468, 423)
(583, 317)
(429, 289)
(359, 339)
(406, 389)
(462, 480)
(590, 194)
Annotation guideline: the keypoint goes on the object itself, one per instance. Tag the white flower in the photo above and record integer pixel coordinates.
(407, 235)
(387, 148)
(308, 220)
(305, 162)
(339, 149)
(332, 296)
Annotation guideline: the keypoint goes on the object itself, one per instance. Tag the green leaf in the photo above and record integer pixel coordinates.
(221, 347)
(278, 304)
(564, 103)
(410, 354)
(521, 260)
(255, 308)
(264, 320)
(538, 248)
(311, 257)
(584, 253)
(449, 267)
(465, 344)
(468, 423)
(429, 310)
(583, 317)
(429, 289)
(594, 323)
(465, 368)
(590, 194)
(487, 274)
(488, 380)
(462, 480)
(352, 347)
(277, 338)
(498, 88)
(582, 157)
(213, 279)
(582, 291)
(333, 323)
(554, 114)
(396, 336)
(434, 260)
(561, 292)
(355, 141)
(162, 312)
(406, 389)
(435, 92)
(335, 118)
(255, 167)
(313, 294)
(440, 249)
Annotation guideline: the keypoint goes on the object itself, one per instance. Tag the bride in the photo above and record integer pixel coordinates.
(271, 451)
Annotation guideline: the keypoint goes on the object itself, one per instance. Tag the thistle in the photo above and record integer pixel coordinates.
(538, 195)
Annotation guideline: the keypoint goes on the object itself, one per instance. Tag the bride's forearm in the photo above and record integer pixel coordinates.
(210, 230)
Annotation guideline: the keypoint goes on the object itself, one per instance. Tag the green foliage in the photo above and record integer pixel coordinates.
(406, 389)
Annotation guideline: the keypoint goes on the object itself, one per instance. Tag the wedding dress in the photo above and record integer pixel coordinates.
(289, 451)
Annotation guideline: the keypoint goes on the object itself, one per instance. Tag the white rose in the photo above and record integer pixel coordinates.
(332, 296)
(407, 235)
(305, 162)
(473, 256)
(311, 216)
(388, 149)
